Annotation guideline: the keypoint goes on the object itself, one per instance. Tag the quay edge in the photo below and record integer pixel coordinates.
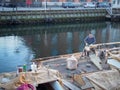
(52, 16)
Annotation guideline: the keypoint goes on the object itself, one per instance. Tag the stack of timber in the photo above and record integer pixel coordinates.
(114, 57)
(105, 80)
(89, 67)
(47, 78)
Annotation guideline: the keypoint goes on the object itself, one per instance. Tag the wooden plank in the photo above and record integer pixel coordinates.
(107, 43)
(114, 63)
(116, 48)
(113, 56)
(70, 85)
(104, 44)
(83, 82)
(96, 61)
(87, 85)
(78, 78)
(56, 57)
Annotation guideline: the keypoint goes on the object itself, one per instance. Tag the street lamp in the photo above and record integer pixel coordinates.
(45, 5)
(3, 2)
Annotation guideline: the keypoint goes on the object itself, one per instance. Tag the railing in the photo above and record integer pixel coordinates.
(109, 10)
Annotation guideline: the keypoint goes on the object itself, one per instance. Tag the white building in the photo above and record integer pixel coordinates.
(115, 3)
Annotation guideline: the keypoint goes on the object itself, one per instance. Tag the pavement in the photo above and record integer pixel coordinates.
(39, 8)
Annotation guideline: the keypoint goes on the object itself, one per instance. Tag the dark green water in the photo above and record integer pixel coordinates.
(20, 44)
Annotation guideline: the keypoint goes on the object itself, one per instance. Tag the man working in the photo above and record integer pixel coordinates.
(89, 40)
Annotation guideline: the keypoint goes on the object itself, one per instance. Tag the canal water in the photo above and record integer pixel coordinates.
(20, 43)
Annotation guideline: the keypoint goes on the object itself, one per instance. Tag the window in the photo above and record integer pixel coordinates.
(69, 0)
(118, 2)
(113, 1)
(82, 0)
(54, 0)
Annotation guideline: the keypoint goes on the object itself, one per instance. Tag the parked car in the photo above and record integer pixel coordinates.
(89, 5)
(8, 4)
(0, 4)
(68, 5)
(103, 4)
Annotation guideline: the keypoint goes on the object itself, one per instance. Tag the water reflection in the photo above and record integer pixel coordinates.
(54, 45)
(69, 41)
(20, 44)
(13, 52)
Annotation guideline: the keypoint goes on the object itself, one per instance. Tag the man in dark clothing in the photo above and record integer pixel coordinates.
(89, 40)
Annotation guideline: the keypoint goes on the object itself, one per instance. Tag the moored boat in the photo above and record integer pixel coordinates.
(64, 72)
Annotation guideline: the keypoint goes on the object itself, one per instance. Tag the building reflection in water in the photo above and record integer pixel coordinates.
(38, 41)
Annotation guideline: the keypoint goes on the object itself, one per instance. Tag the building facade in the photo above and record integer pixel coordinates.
(59, 0)
(39, 3)
(115, 3)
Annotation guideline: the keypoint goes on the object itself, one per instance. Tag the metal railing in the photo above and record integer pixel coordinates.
(109, 10)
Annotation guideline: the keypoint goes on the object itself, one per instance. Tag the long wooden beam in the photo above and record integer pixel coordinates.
(113, 56)
(96, 61)
(70, 85)
(103, 44)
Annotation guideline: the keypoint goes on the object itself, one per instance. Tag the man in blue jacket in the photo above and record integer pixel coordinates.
(89, 40)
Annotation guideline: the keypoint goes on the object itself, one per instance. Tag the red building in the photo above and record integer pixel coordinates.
(40, 3)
